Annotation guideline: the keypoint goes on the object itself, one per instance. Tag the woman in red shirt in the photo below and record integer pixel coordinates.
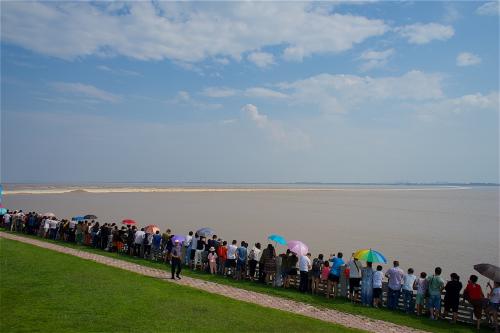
(474, 294)
(221, 257)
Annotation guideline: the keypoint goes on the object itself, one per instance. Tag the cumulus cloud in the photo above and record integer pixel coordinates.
(423, 33)
(218, 92)
(181, 31)
(261, 59)
(490, 8)
(86, 90)
(183, 98)
(375, 59)
(468, 59)
(264, 93)
(339, 93)
(291, 137)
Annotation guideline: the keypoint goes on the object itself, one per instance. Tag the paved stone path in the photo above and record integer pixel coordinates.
(325, 314)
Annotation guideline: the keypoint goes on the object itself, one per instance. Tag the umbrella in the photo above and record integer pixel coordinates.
(492, 272)
(77, 218)
(48, 214)
(129, 222)
(3, 211)
(370, 255)
(298, 247)
(206, 232)
(90, 217)
(151, 229)
(277, 239)
(179, 238)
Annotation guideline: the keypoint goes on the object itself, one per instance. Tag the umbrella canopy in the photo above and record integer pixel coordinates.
(90, 217)
(3, 211)
(151, 229)
(206, 232)
(277, 238)
(371, 256)
(492, 272)
(129, 222)
(298, 247)
(77, 218)
(179, 238)
(49, 214)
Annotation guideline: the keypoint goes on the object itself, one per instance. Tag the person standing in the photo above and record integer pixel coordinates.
(474, 294)
(452, 297)
(253, 259)
(157, 239)
(231, 258)
(408, 283)
(241, 261)
(435, 285)
(354, 278)
(222, 256)
(138, 241)
(212, 260)
(176, 260)
(395, 276)
(334, 277)
(304, 267)
(378, 276)
(187, 245)
(317, 265)
(494, 302)
(421, 285)
(367, 284)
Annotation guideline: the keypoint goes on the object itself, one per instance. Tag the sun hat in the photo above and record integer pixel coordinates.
(211, 248)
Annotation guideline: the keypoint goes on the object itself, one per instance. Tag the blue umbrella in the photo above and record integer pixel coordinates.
(78, 218)
(277, 238)
(179, 238)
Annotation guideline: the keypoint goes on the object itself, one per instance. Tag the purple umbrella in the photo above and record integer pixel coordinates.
(298, 247)
(179, 238)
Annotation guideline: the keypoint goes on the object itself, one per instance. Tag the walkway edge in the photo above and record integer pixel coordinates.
(308, 310)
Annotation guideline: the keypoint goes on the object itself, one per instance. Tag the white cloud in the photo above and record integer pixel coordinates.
(261, 59)
(468, 59)
(341, 93)
(181, 31)
(183, 98)
(264, 93)
(375, 59)
(295, 139)
(86, 90)
(420, 33)
(465, 103)
(218, 92)
(118, 71)
(490, 8)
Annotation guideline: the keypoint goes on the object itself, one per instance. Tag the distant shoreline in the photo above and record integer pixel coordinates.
(139, 189)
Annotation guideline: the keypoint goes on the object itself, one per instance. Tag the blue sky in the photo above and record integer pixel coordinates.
(250, 92)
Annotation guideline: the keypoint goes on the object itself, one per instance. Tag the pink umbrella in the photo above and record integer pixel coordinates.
(298, 247)
(151, 229)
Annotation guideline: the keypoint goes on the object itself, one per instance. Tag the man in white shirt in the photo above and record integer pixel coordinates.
(231, 257)
(53, 228)
(6, 220)
(395, 276)
(408, 282)
(304, 267)
(139, 241)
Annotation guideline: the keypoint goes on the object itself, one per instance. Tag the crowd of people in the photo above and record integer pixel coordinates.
(214, 255)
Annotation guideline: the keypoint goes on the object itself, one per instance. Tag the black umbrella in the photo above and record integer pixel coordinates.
(492, 272)
(90, 217)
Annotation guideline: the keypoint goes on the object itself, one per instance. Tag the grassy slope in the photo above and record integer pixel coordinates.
(338, 304)
(45, 291)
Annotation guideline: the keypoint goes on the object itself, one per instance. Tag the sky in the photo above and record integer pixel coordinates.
(370, 91)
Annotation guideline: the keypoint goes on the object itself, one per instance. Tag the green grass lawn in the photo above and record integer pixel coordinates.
(46, 291)
(340, 304)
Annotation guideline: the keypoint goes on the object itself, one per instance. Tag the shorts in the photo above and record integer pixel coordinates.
(333, 278)
(420, 299)
(477, 307)
(240, 265)
(231, 263)
(494, 306)
(451, 306)
(354, 284)
(377, 292)
(435, 302)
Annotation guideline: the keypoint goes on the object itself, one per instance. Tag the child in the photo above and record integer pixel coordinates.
(378, 276)
(325, 271)
(474, 294)
(212, 259)
(421, 285)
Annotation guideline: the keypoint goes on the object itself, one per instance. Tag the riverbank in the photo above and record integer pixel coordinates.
(46, 291)
(338, 304)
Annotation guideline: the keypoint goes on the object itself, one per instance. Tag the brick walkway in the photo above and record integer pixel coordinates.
(328, 315)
